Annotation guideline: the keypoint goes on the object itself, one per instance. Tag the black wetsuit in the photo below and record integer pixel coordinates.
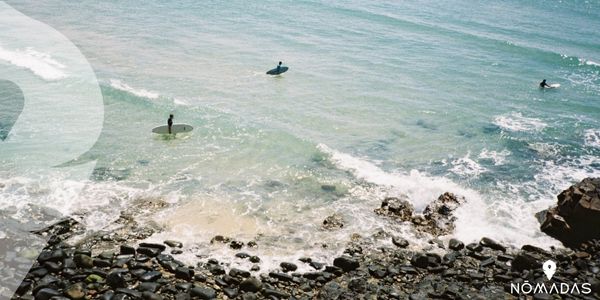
(170, 124)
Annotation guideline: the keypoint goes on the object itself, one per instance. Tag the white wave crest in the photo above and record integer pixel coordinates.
(517, 122)
(119, 85)
(41, 64)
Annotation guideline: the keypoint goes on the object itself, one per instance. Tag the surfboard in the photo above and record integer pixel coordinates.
(282, 69)
(555, 85)
(176, 128)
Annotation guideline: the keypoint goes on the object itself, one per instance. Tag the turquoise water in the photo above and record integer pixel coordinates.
(382, 98)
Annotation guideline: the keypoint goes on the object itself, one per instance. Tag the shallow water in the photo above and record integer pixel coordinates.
(381, 99)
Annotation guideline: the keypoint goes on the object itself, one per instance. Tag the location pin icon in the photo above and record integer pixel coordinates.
(549, 268)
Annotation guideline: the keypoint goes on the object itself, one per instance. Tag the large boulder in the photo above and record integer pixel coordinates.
(438, 217)
(398, 208)
(576, 217)
(333, 222)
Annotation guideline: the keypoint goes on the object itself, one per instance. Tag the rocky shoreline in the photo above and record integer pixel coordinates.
(453, 270)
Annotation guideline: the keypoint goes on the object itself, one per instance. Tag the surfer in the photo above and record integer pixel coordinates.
(278, 68)
(170, 122)
(543, 84)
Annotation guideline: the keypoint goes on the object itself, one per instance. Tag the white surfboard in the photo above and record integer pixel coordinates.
(176, 128)
(555, 85)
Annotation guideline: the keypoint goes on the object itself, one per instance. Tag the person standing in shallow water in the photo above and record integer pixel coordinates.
(543, 84)
(170, 122)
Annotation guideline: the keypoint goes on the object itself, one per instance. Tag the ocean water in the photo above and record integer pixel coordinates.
(382, 98)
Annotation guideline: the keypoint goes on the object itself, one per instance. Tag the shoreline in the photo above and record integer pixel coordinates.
(121, 266)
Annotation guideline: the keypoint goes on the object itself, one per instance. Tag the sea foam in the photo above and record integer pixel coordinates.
(41, 64)
(517, 122)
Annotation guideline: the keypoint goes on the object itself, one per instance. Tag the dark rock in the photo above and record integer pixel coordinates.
(160, 247)
(75, 291)
(576, 218)
(102, 263)
(203, 292)
(474, 247)
(236, 245)
(305, 260)
(173, 244)
(184, 273)
(107, 255)
(148, 287)
(125, 249)
(121, 296)
(150, 276)
(346, 263)
(251, 285)
(249, 296)
(525, 261)
(333, 222)
(377, 271)
(288, 267)
(399, 208)
(334, 270)
(53, 267)
(38, 272)
(254, 259)
(151, 252)
(242, 255)
(455, 244)
(238, 273)
(488, 262)
(107, 296)
(46, 294)
(399, 242)
(487, 242)
(151, 296)
(316, 265)
(230, 292)
(331, 290)
(184, 286)
(420, 260)
(220, 239)
(534, 249)
(200, 277)
(129, 292)
(275, 293)
(83, 261)
(438, 218)
(183, 296)
(115, 279)
(216, 269)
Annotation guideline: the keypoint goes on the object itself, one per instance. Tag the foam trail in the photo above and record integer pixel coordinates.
(119, 85)
(41, 64)
(517, 122)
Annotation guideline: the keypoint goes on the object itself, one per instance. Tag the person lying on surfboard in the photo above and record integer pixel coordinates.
(543, 84)
(170, 122)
